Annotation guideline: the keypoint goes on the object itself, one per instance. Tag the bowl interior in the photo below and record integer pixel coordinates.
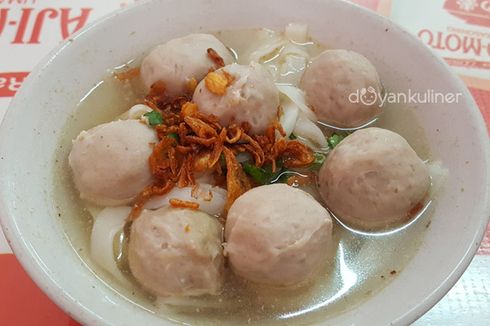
(30, 133)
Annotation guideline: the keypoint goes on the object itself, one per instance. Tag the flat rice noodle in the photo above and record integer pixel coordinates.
(108, 223)
(298, 97)
(211, 199)
(296, 32)
(306, 128)
(290, 112)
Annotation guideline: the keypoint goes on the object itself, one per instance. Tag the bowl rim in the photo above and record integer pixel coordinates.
(33, 265)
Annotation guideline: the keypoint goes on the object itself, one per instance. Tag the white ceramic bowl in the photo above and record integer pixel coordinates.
(28, 140)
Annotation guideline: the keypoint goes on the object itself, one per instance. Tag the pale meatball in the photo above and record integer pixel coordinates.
(373, 179)
(110, 162)
(177, 252)
(178, 61)
(277, 235)
(343, 88)
(252, 97)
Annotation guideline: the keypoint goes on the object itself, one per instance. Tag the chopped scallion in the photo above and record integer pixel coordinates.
(334, 140)
(263, 175)
(318, 162)
(154, 117)
(174, 136)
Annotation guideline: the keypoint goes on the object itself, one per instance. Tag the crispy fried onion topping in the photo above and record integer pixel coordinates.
(191, 142)
(127, 74)
(216, 58)
(218, 81)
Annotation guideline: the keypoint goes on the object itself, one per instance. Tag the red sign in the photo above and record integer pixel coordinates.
(10, 82)
(28, 22)
(475, 12)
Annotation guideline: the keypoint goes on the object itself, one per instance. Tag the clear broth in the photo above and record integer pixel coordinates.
(361, 265)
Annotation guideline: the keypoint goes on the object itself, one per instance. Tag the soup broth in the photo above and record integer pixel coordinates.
(362, 263)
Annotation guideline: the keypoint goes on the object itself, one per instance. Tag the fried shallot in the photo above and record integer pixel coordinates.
(191, 143)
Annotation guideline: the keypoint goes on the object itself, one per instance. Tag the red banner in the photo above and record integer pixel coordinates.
(10, 82)
(475, 12)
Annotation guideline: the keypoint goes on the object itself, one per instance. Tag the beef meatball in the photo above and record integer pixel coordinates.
(277, 235)
(110, 162)
(373, 178)
(176, 252)
(343, 88)
(180, 60)
(251, 97)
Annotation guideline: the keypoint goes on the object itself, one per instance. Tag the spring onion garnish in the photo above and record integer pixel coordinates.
(263, 175)
(154, 117)
(334, 140)
(174, 136)
(318, 162)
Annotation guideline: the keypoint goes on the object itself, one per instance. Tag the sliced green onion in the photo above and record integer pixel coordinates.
(335, 139)
(154, 117)
(174, 136)
(318, 162)
(259, 175)
(263, 175)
